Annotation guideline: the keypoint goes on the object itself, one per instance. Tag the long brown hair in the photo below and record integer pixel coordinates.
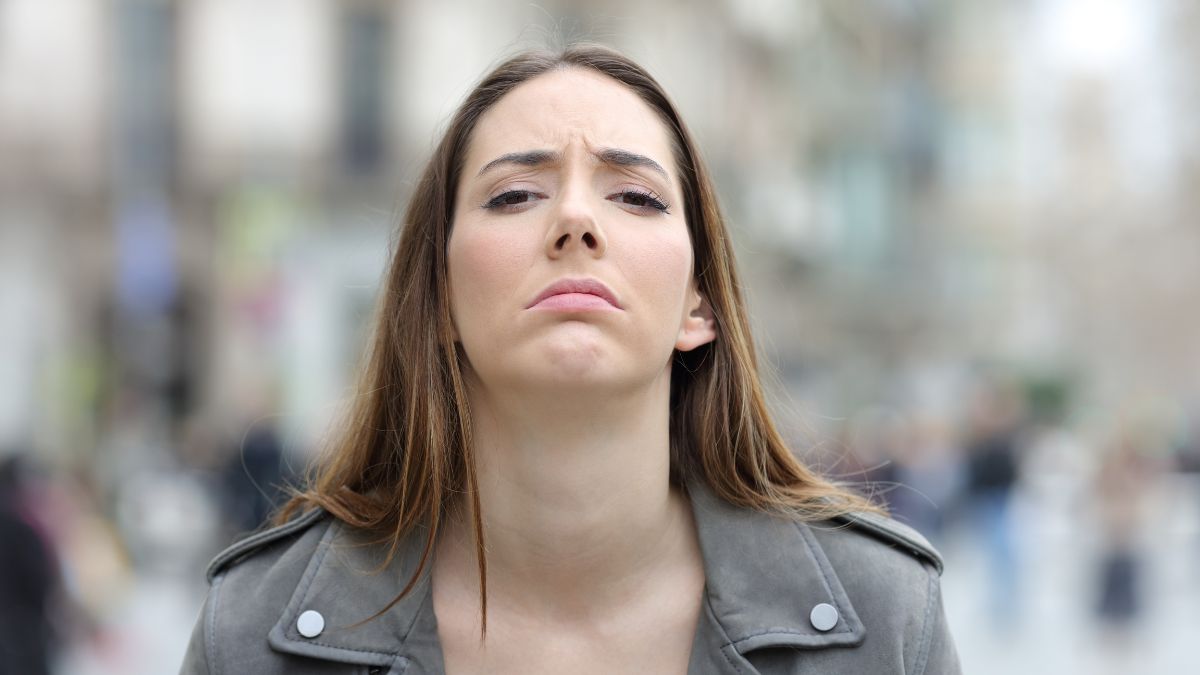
(406, 449)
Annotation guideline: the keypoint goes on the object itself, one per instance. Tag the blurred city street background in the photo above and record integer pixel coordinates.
(968, 232)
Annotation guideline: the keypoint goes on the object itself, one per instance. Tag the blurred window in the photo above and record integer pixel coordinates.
(365, 40)
(145, 62)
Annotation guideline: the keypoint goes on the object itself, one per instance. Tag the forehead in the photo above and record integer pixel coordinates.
(561, 107)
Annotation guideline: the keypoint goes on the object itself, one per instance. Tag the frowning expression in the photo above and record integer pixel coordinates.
(569, 257)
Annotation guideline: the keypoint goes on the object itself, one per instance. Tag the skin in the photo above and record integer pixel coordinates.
(593, 563)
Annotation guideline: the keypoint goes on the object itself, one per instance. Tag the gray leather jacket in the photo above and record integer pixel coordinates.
(856, 596)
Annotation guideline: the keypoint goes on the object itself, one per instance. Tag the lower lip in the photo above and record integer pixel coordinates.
(574, 302)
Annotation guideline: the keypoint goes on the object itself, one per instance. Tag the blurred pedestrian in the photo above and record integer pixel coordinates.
(992, 471)
(254, 476)
(929, 475)
(28, 581)
(1120, 488)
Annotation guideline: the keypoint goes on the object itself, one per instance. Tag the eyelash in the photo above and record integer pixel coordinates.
(652, 201)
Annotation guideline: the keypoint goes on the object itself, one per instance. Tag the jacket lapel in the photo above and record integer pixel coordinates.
(344, 582)
(764, 575)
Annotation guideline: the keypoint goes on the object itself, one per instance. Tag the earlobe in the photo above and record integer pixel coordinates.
(699, 326)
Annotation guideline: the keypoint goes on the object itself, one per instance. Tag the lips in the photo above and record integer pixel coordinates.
(575, 287)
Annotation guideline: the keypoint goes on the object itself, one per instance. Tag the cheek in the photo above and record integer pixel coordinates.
(662, 266)
(484, 264)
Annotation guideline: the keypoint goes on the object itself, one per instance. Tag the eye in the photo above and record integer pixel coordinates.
(510, 199)
(642, 200)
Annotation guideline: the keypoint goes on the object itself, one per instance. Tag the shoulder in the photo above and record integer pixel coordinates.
(275, 540)
(252, 580)
(858, 592)
(891, 575)
(886, 567)
(868, 530)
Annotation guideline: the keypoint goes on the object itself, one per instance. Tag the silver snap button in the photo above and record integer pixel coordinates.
(823, 616)
(310, 624)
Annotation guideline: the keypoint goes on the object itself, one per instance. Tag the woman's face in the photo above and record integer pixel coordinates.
(569, 257)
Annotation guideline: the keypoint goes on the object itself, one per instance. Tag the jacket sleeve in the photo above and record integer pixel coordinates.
(195, 661)
(941, 656)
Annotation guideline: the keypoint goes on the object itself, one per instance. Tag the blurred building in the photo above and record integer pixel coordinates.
(197, 200)
(197, 195)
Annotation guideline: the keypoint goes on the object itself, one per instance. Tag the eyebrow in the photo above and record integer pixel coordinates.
(613, 156)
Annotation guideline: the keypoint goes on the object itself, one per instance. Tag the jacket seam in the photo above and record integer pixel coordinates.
(349, 649)
(725, 653)
(784, 631)
(927, 625)
(825, 581)
(891, 531)
(811, 556)
(311, 573)
(210, 645)
(729, 643)
(257, 539)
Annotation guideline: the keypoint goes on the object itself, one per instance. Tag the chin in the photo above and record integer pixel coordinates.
(583, 361)
(566, 369)
(564, 374)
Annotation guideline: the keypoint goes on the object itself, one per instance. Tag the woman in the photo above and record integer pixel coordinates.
(561, 461)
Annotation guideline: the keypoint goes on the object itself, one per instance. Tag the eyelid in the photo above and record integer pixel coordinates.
(510, 183)
(649, 194)
(488, 205)
(504, 181)
(649, 180)
(640, 190)
(646, 188)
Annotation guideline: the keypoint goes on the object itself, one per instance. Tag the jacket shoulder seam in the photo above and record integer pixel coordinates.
(247, 546)
(210, 626)
(896, 534)
(931, 597)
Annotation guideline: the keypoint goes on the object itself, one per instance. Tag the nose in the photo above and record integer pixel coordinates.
(575, 227)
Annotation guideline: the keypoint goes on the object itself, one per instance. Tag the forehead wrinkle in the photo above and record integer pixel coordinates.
(545, 113)
(616, 158)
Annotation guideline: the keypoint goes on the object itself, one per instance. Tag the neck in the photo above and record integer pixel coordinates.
(577, 505)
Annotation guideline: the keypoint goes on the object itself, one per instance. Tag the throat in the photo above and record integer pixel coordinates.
(560, 609)
(548, 559)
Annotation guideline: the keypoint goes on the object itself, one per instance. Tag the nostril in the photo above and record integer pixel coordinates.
(562, 241)
(589, 240)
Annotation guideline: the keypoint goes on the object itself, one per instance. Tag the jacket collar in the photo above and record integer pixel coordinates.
(764, 574)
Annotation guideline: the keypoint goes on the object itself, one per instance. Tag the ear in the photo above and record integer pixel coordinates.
(699, 326)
